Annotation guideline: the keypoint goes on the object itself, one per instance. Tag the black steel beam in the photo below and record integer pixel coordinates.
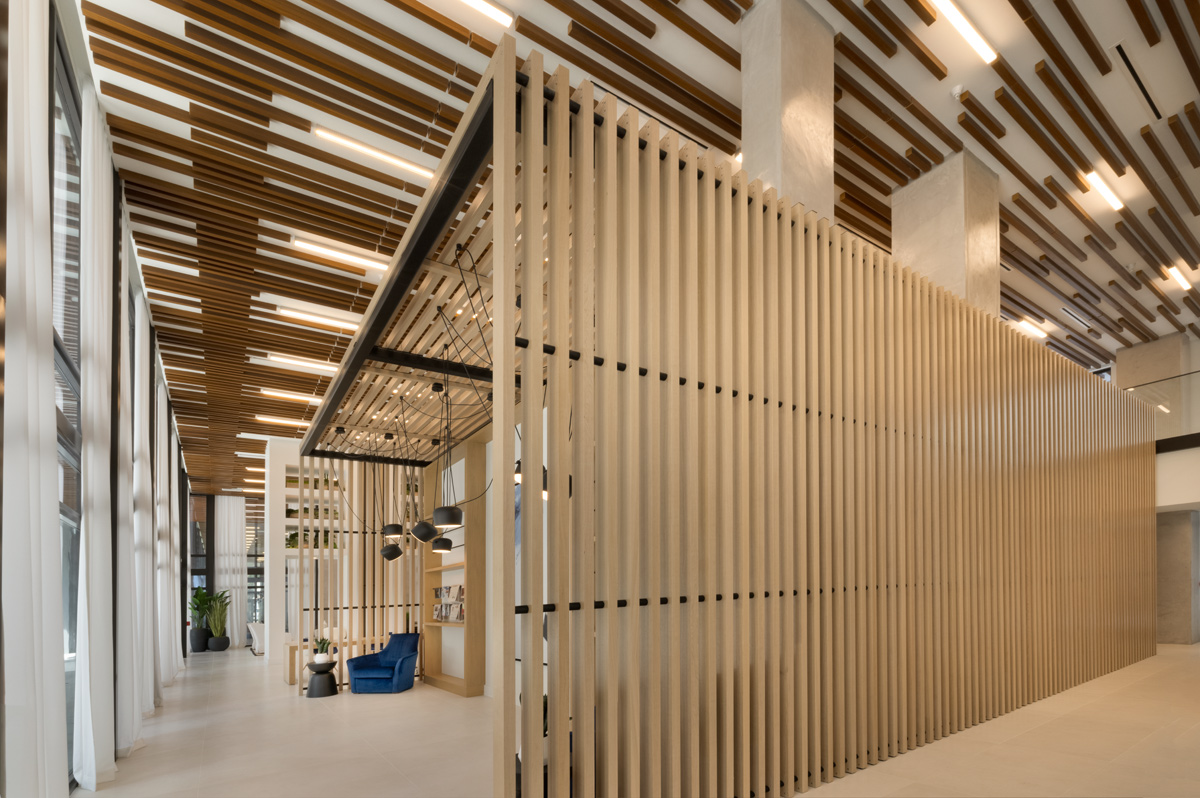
(412, 360)
(370, 458)
(460, 171)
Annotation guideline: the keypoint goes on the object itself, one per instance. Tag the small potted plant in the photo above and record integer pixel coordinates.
(218, 612)
(199, 633)
(322, 650)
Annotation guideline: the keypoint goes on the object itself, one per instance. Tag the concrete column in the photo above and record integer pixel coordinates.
(946, 226)
(1179, 577)
(787, 101)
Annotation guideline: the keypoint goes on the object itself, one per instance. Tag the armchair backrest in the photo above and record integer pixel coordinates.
(398, 647)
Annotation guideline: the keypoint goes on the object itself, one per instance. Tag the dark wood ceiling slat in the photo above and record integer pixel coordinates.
(630, 16)
(866, 26)
(1112, 262)
(1079, 117)
(696, 31)
(1000, 154)
(1083, 33)
(1082, 215)
(1168, 165)
(1175, 123)
(1145, 21)
(1183, 42)
(924, 10)
(980, 111)
(907, 38)
(844, 80)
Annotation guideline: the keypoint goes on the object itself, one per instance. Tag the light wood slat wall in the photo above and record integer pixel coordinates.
(346, 589)
(807, 511)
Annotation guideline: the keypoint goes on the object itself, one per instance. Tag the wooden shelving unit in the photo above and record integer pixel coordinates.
(471, 576)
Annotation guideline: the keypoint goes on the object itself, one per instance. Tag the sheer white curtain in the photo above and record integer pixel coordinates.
(230, 543)
(149, 684)
(94, 761)
(165, 564)
(35, 738)
(129, 643)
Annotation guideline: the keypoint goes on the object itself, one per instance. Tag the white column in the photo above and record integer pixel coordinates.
(787, 101)
(946, 226)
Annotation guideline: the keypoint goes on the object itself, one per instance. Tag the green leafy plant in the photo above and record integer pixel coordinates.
(218, 612)
(322, 644)
(199, 607)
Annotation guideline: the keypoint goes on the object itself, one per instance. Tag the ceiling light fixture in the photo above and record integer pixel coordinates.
(1179, 278)
(315, 319)
(491, 12)
(276, 420)
(256, 469)
(1096, 182)
(309, 364)
(374, 153)
(295, 397)
(442, 546)
(966, 30)
(256, 481)
(338, 254)
(251, 455)
(1028, 327)
(738, 157)
(253, 490)
(1164, 409)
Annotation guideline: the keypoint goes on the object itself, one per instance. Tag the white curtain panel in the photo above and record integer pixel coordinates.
(149, 685)
(128, 658)
(94, 736)
(165, 553)
(230, 542)
(178, 526)
(35, 738)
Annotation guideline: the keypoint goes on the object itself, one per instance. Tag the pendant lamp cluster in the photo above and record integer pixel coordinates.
(448, 515)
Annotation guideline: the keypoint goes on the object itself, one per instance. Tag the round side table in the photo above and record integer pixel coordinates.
(322, 683)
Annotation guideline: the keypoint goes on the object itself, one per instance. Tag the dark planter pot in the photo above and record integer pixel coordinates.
(199, 639)
(218, 643)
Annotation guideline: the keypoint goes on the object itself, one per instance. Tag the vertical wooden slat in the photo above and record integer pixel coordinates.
(502, 665)
(728, 751)
(558, 410)
(751, 400)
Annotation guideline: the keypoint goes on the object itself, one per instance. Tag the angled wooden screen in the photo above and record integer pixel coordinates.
(806, 511)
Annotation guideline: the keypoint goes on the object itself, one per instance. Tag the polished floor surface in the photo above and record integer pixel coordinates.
(227, 729)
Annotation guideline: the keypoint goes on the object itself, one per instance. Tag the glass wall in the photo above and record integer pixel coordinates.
(65, 192)
(255, 526)
(198, 537)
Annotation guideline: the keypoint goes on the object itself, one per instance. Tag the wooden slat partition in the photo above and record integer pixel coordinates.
(821, 512)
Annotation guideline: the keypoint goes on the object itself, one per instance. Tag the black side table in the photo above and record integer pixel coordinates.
(322, 683)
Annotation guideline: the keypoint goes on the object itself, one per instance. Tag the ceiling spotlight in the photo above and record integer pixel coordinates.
(442, 545)
(358, 146)
(1028, 327)
(1096, 182)
(448, 517)
(308, 364)
(424, 532)
(491, 12)
(1179, 278)
(293, 422)
(966, 30)
(315, 319)
(391, 551)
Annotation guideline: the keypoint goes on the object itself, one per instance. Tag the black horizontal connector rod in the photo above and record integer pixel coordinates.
(397, 357)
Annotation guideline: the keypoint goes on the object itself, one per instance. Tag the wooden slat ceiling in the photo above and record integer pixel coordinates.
(215, 109)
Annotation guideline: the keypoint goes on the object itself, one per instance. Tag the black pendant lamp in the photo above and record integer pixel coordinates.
(393, 531)
(442, 545)
(425, 532)
(391, 551)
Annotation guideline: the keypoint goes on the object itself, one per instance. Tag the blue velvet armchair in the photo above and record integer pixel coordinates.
(388, 671)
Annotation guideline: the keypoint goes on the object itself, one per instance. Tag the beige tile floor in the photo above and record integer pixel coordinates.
(227, 729)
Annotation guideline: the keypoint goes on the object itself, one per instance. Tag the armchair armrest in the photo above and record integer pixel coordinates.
(405, 671)
(363, 661)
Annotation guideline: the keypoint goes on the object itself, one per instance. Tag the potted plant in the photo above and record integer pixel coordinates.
(218, 612)
(199, 632)
(322, 650)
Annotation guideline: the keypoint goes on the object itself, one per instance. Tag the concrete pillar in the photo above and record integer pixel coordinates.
(1154, 371)
(946, 226)
(1179, 577)
(787, 101)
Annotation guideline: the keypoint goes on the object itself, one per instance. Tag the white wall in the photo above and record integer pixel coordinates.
(1177, 475)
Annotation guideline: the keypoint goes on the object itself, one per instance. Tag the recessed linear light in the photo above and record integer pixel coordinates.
(256, 469)
(339, 254)
(491, 12)
(276, 420)
(256, 481)
(173, 267)
(181, 368)
(374, 153)
(162, 303)
(310, 364)
(253, 490)
(966, 30)
(1096, 182)
(1164, 409)
(295, 397)
(251, 455)
(1179, 278)
(315, 319)
(1028, 327)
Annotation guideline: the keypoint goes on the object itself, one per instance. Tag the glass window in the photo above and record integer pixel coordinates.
(198, 542)
(65, 193)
